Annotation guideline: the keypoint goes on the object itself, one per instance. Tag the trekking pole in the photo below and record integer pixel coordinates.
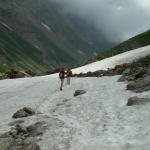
(58, 80)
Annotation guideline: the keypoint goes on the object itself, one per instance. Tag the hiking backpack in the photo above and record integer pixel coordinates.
(61, 74)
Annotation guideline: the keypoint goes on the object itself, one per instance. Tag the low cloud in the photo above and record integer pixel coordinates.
(117, 19)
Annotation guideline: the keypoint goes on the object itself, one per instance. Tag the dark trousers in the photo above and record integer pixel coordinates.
(62, 82)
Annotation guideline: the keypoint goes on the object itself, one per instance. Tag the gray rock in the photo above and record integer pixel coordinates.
(139, 73)
(122, 78)
(90, 74)
(29, 110)
(79, 92)
(130, 78)
(20, 114)
(137, 101)
(126, 71)
(148, 70)
(21, 129)
(80, 75)
(36, 129)
(25, 112)
(134, 74)
(140, 85)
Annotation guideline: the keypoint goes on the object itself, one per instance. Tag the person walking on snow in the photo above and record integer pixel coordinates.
(68, 75)
(62, 78)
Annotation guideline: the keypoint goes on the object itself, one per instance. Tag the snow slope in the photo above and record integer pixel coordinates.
(115, 60)
(97, 120)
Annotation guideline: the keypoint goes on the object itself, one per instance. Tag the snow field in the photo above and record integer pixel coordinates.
(97, 120)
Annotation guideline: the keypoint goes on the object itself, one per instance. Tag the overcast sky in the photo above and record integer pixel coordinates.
(118, 19)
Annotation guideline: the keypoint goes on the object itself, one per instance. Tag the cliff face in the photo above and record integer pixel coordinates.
(40, 35)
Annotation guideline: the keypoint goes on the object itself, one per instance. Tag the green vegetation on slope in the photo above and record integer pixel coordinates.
(57, 53)
(15, 50)
(4, 68)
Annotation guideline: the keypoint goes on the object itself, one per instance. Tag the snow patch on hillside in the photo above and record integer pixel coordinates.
(36, 46)
(5, 25)
(47, 27)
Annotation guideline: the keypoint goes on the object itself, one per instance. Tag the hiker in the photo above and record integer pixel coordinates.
(68, 75)
(62, 77)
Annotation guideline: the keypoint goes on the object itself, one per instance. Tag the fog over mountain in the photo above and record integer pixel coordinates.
(43, 35)
(118, 19)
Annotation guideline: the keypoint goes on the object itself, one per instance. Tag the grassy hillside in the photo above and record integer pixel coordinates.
(4, 68)
(17, 51)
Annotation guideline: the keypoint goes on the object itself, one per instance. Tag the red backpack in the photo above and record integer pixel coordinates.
(69, 73)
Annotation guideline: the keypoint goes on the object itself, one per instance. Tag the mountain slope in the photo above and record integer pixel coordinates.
(15, 50)
(138, 41)
(57, 37)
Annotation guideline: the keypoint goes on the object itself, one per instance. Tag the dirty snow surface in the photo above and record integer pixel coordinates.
(96, 120)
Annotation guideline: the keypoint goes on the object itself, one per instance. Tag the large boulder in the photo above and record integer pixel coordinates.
(132, 74)
(139, 73)
(137, 101)
(79, 92)
(90, 74)
(25, 112)
(122, 78)
(140, 85)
